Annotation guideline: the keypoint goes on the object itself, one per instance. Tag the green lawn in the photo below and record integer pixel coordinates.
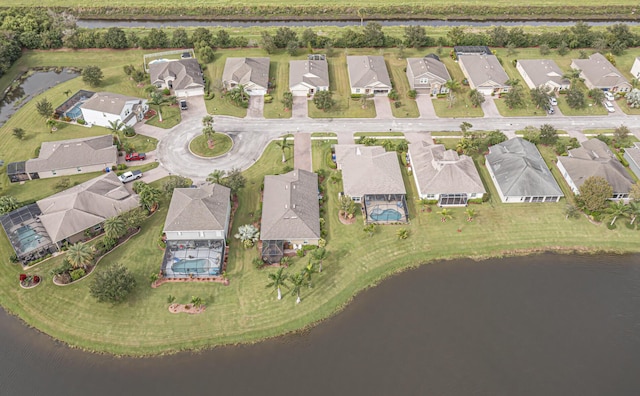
(397, 65)
(171, 117)
(625, 107)
(462, 108)
(142, 144)
(200, 146)
(528, 110)
(278, 72)
(358, 134)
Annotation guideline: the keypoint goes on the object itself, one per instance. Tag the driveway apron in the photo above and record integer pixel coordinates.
(300, 107)
(302, 151)
(383, 107)
(425, 106)
(256, 107)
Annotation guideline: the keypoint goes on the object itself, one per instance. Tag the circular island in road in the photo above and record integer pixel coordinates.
(221, 144)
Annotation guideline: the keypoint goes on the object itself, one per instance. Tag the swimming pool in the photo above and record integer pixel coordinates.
(28, 238)
(75, 112)
(385, 215)
(199, 266)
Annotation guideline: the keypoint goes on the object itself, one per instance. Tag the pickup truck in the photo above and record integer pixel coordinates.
(130, 176)
(135, 157)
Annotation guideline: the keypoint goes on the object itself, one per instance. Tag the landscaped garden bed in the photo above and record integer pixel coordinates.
(29, 281)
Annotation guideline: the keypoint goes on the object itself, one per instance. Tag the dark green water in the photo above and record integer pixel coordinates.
(541, 325)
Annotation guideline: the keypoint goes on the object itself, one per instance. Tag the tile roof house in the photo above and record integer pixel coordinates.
(427, 74)
(598, 72)
(183, 76)
(632, 155)
(196, 229)
(444, 175)
(368, 75)
(595, 159)
(105, 107)
(520, 174)
(542, 73)
(251, 73)
(70, 157)
(67, 214)
(484, 73)
(307, 77)
(290, 212)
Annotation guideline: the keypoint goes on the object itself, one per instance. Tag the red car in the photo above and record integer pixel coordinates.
(135, 157)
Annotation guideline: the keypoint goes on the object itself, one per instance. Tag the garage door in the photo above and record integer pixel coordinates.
(257, 92)
(299, 92)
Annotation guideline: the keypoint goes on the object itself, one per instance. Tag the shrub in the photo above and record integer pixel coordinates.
(356, 96)
(300, 253)
(397, 104)
(412, 94)
(393, 95)
(268, 98)
(81, 121)
(122, 166)
(166, 92)
(77, 274)
(36, 279)
(23, 277)
(112, 285)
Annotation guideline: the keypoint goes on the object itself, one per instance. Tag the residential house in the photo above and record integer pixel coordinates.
(632, 156)
(594, 158)
(635, 69)
(105, 107)
(251, 73)
(290, 213)
(368, 75)
(196, 229)
(484, 73)
(542, 73)
(183, 76)
(444, 175)
(307, 77)
(427, 75)
(520, 174)
(471, 50)
(598, 72)
(372, 177)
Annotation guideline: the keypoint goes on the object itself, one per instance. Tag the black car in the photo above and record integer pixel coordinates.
(183, 104)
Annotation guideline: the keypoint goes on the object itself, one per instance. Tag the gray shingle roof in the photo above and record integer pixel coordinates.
(520, 170)
(595, 159)
(367, 71)
(74, 210)
(483, 68)
(187, 73)
(198, 209)
(64, 154)
(541, 71)
(108, 102)
(441, 171)
(290, 207)
(312, 72)
(428, 66)
(247, 70)
(368, 170)
(599, 71)
(634, 153)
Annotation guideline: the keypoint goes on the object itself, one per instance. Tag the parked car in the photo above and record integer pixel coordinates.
(183, 104)
(609, 106)
(130, 176)
(609, 96)
(553, 101)
(550, 110)
(135, 157)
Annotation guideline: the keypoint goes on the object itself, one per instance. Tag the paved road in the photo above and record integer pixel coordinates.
(251, 136)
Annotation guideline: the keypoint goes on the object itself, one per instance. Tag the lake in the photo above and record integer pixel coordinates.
(539, 325)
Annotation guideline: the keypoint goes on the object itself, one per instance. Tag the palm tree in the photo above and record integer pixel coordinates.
(216, 176)
(635, 82)
(307, 272)
(445, 215)
(79, 255)
(209, 134)
(159, 100)
(634, 211)
(476, 97)
(297, 281)
(319, 255)
(471, 213)
(278, 280)
(453, 86)
(149, 197)
(196, 301)
(512, 82)
(67, 93)
(114, 227)
(370, 229)
(388, 145)
(617, 209)
(248, 234)
(8, 204)
(115, 127)
(284, 145)
(207, 121)
(402, 233)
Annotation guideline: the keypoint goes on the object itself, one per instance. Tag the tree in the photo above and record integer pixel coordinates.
(284, 35)
(216, 176)
(44, 108)
(347, 206)
(540, 98)
(278, 280)
(267, 42)
(544, 49)
(548, 134)
(575, 98)
(18, 133)
(234, 180)
(180, 38)
(574, 76)
(597, 95)
(174, 182)
(92, 75)
(292, 48)
(79, 255)
(416, 36)
(634, 211)
(308, 271)
(115, 38)
(115, 127)
(8, 204)
(370, 229)
(571, 212)
(445, 214)
(320, 254)
(388, 145)
(209, 134)
(297, 281)
(114, 227)
(158, 99)
(633, 98)
(201, 37)
(471, 213)
(239, 96)
(465, 126)
(477, 98)
(364, 100)
(248, 234)
(133, 218)
(372, 35)
(453, 86)
(206, 53)
(287, 100)
(621, 133)
(283, 145)
(514, 98)
(563, 49)
(112, 285)
(149, 197)
(616, 210)
(323, 100)
(594, 193)
(634, 193)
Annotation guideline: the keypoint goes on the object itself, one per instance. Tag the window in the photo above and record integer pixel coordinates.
(424, 80)
(79, 169)
(53, 172)
(431, 196)
(357, 90)
(472, 195)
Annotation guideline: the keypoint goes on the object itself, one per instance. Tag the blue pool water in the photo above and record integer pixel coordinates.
(75, 111)
(194, 266)
(29, 238)
(385, 215)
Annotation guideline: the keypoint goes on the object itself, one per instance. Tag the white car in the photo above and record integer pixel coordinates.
(553, 101)
(609, 96)
(609, 106)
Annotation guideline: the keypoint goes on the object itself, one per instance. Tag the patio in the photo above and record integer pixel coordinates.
(386, 209)
(189, 259)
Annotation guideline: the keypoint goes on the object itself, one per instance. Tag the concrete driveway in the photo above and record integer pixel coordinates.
(300, 107)
(256, 107)
(489, 108)
(383, 107)
(425, 106)
(302, 151)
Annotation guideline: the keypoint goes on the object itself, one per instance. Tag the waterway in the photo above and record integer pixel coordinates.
(99, 23)
(541, 325)
(33, 85)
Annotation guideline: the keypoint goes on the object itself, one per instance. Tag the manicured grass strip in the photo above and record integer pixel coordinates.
(221, 145)
(324, 134)
(278, 72)
(141, 143)
(358, 134)
(396, 66)
(170, 117)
